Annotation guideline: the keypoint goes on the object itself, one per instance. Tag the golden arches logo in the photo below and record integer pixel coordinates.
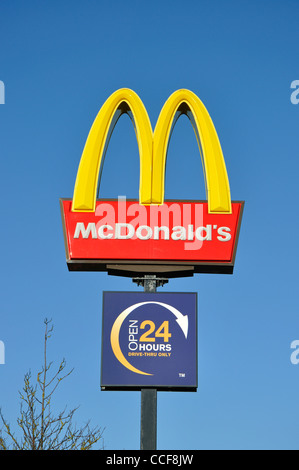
(152, 149)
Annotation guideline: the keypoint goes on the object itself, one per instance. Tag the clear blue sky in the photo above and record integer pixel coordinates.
(60, 61)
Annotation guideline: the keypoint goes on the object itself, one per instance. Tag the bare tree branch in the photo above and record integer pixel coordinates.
(40, 428)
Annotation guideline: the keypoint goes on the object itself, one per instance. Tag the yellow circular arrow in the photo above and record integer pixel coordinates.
(114, 338)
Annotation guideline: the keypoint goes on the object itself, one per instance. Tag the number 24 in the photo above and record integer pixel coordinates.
(161, 332)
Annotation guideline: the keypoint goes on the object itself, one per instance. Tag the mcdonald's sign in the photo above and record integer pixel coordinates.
(151, 235)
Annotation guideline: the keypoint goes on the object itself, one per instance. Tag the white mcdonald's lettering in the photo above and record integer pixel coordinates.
(85, 232)
(123, 231)
(175, 222)
(126, 231)
(104, 232)
(223, 235)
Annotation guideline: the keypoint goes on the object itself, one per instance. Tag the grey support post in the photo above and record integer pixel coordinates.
(148, 425)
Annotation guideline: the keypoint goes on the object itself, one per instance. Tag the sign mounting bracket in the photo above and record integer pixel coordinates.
(150, 282)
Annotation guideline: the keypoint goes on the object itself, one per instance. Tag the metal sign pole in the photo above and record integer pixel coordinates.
(148, 425)
(148, 428)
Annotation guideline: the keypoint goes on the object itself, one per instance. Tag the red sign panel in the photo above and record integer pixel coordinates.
(122, 232)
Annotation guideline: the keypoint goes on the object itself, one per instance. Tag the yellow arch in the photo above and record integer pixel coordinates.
(91, 163)
(216, 179)
(152, 149)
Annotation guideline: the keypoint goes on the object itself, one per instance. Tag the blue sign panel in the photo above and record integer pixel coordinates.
(149, 340)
